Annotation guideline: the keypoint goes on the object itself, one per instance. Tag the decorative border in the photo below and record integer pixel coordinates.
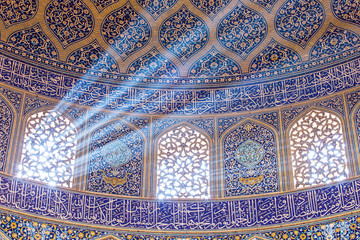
(179, 101)
(162, 216)
(122, 78)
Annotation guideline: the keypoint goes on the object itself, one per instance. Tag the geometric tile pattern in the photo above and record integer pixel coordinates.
(346, 10)
(184, 34)
(210, 8)
(267, 4)
(102, 4)
(153, 64)
(7, 121)
(274, 56)
(242, 30)
(125, 30)
(69, 20)
(299, 20)
(250, 160)
(214, 63)
(93, 56)
(116, 161)
(34, 40)
(334, 40)
(157, 7)
(16, 11)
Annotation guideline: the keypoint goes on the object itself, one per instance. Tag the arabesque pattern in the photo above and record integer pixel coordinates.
(93, 56)
(242, 30)
(214, 64)
(7, 120)
(335, 40)
(116, 160)
(184, 34)
(34, 40)
(299, 20)
(17, 11)
(250, 160)
(69, 20)
(126, 30)
(153, 64)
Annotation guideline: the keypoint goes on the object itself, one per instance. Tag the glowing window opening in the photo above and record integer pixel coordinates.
(49, 149)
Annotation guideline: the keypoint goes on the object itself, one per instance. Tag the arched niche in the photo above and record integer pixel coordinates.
(116, 159)
(249, 152)
(316, 147)
(183, 163)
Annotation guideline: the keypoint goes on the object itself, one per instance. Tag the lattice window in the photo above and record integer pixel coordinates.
(48, 153)
(317, 149)
(183, 164)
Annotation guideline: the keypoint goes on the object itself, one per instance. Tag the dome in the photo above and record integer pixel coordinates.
(179, 119)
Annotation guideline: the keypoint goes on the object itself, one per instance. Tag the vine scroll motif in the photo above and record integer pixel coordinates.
(183, 164)
(317, 149)
(49, 149)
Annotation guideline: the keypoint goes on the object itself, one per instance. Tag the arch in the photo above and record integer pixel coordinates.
(117, 153)
(183, 154)
(316, 148)
(7, 127)
(49, 148)
(355, 130)
(251, 159)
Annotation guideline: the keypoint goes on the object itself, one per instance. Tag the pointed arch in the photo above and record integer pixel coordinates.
(117, 153)
(49, 148)
(183, 154)
(316, 148)
(250, 158)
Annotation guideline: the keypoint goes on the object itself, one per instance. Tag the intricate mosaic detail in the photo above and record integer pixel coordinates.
(267, 4)
(250, 153)
(274, 56)
(319, 156)
(34, 40)
(242, 30)
(102, 4)
(352, 99)
(157, 7)
(225, 123)
(347, 10)
(183, 164)
(160, 125)
(212, 7)
(16, 11)
(171, 215)
(19, 228)
(153, 64)
(257, 173)
(7, 118)
(214, 64)
(336, 103)
(13, 97)
(116, 153)
(111, 173)
(33, 103)
(333, 41)
(299, 20)
(69, 20)
(244, 98)
(183, 34)
(126, 30)
(49, 149)
(93, 56)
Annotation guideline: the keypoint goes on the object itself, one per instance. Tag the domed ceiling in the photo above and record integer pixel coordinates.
(206, 42)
